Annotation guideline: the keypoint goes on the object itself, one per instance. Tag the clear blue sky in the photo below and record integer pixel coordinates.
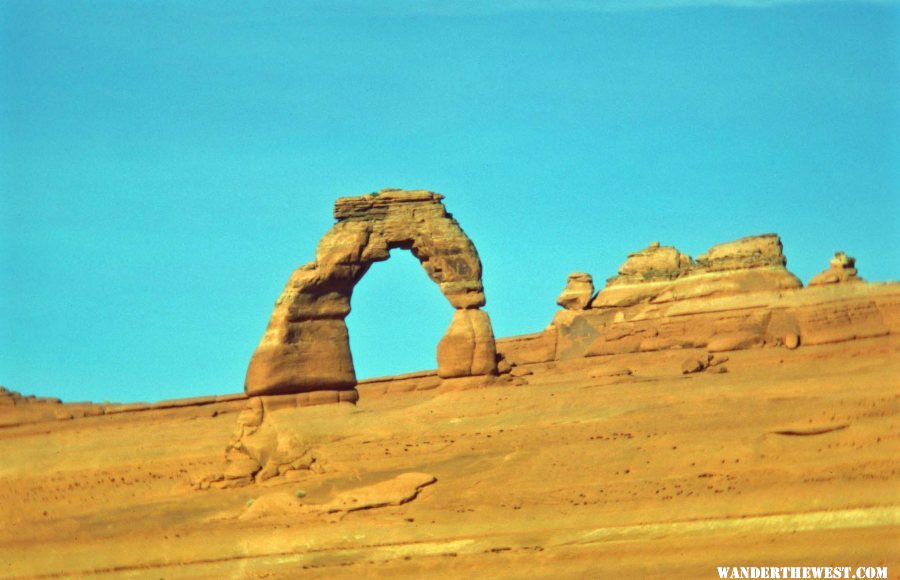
(164, 166)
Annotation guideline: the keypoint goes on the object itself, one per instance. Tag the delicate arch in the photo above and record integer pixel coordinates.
(306, 346)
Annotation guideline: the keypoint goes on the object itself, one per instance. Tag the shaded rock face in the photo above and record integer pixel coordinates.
(660, 274)
(841, 268)
(578, 292)
(306, 346)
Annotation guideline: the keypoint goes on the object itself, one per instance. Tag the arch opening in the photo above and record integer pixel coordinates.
(306, 346)
(397, 317)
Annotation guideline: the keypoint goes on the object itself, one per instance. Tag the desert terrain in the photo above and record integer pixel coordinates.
(692, 414)
(789, 458)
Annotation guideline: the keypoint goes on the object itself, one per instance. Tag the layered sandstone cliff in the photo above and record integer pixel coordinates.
(737, 295)
(659, 274)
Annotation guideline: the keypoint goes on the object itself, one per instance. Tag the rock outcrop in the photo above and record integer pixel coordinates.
(467, 349)
(306, 346)
(10, 398)
(396, 491)
(653, 263)
(737, 295)
(659, 274)
(841, 268)
(578, 292)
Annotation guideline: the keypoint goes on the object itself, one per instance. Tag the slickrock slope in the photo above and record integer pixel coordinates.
(617, 466)
(691, 414)
(306, 347)
(16, 409)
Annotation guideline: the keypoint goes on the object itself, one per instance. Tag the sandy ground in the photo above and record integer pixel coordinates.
(789, 458)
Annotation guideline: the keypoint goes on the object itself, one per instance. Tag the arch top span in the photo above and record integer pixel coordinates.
(369, 226)
(306, 346)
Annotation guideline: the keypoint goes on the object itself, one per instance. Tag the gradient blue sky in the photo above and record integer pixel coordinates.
(164, 166)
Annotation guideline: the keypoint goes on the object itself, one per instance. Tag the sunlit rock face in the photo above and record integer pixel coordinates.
(738, 295)
(841, 269)
(661, 274)
(578, 292)
(306, 345)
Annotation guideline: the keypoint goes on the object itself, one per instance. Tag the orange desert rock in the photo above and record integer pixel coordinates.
(659, 274)
(578, 292)
(306, 346)
(630, 451)
(841, 268)
(467, 348)
(736, 296)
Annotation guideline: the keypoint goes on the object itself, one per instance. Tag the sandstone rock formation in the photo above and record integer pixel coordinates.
(467, 349)
(396, 491)
(10, 398)
(578, 292)
(697, 363)
(841, 268)
(264, 444)
(659, 274)
(306, 347)
(653, 263)
(736, 296)
(624, 453)
(19, 409)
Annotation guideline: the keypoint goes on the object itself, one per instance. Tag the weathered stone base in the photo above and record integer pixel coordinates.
(315, 355)
(468, 348)
(309, 399)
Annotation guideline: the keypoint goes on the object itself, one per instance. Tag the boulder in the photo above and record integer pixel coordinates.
(694, 364)
(791, 341)
(578, 292)
(841, 269)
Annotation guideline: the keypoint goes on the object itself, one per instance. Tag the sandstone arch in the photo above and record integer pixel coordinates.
(306, 347)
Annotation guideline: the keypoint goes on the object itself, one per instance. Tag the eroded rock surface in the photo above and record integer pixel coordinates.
(841, 268)
(578, 292)
(736, 296)
(659, 274)
(397, 491)
(392, 492)
(467, 349)
(654, 263)
(306, 346)
(570, 476)
(266, 443)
